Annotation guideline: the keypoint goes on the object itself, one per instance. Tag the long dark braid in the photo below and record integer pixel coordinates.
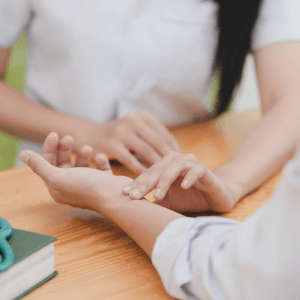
(235, 20)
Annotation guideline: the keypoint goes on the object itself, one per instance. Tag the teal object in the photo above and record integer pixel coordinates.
(6, 251)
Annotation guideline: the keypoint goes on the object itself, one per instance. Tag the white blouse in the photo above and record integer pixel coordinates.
(101, 59)
(214, 258)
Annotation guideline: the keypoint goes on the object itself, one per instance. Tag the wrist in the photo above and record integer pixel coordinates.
(235, 185)
(111, 199)
(113, 206)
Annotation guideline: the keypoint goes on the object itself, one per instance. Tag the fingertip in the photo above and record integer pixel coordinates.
(158, 194)
(185, 184)
(51, 142)
(135, 195)
(53, 134)
(66, 143)
(24, 157)
(52, 138)
(86, 151)
(101, 158)
(68, 137)
(157, 198)
(126, 190)
(87, 148)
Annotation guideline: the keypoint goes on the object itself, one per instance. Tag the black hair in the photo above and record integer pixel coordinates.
(235, 21)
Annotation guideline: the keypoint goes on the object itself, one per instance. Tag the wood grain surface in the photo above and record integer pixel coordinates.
(94, 258)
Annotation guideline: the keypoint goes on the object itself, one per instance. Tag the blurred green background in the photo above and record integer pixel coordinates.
(15, 78)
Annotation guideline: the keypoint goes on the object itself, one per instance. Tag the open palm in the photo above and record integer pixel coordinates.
(78, 186)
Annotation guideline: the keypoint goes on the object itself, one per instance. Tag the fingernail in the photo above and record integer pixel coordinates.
(157, 193)
(126, 189)
(135, 193)
(24, 157)
(185, 183)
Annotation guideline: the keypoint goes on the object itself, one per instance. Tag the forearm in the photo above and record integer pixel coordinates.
(212, 256)
(142, 220)
(265, 149)
(25, 119)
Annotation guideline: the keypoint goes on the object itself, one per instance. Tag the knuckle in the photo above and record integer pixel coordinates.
(174, 154)
(144, 186)
(146, 173)
(113, 144)
(190, 157)
(119, 131)
(134, 184)
(183, 164)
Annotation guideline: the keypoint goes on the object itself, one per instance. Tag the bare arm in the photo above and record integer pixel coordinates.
(98, 190)
(25, 119)
(142, 220)
(202, 256)
(267, 147)
(140, 133)
(264, 150)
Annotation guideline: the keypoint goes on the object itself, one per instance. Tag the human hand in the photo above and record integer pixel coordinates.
(140, 133)
(79, 186)
(183, 184)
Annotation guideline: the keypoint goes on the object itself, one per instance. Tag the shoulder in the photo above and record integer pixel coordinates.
(278, 21)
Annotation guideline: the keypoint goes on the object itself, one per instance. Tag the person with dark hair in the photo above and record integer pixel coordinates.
(207, 258)
(114, 74)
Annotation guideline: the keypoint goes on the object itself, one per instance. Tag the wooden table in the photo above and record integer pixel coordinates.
(94, 258)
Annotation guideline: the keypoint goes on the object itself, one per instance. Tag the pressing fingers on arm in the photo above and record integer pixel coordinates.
(147, 181)
(198, 175)
(160, 175)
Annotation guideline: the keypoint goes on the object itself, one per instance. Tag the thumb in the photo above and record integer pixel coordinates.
(38, 164)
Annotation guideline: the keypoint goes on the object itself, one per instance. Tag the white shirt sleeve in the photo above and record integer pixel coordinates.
(218, 258)
(278, 21)
(14, 18)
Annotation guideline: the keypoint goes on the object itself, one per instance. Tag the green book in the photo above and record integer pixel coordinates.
(33, 266)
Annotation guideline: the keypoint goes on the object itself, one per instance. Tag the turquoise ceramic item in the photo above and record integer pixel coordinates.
(6, 251)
